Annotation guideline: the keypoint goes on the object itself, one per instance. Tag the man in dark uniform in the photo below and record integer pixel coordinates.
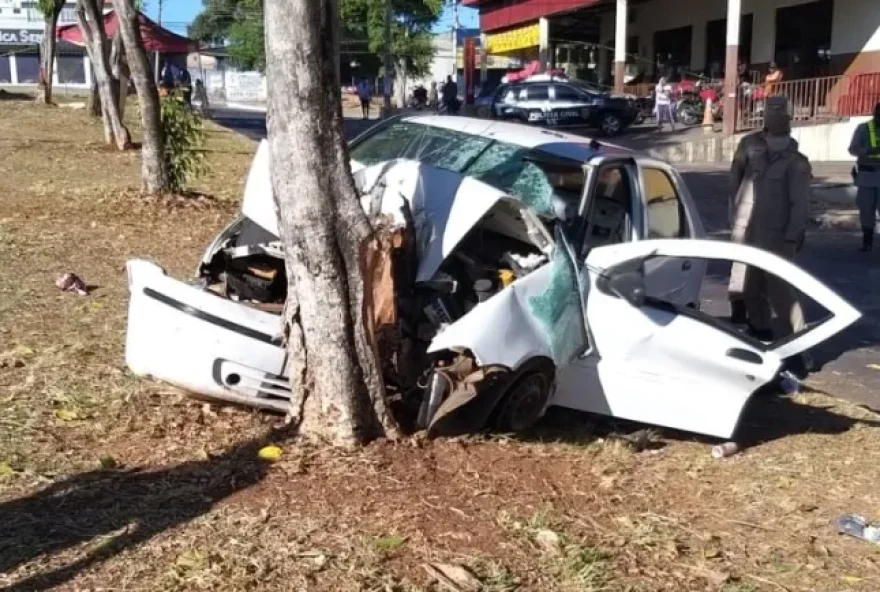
(865, 146)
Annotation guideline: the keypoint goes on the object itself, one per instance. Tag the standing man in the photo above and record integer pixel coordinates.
(365, 94)
(865, 146)
(450, 96)
(770, 210)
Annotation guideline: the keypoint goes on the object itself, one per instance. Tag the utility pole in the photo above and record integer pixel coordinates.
(455, 40)
(386, 93)
(161, 2)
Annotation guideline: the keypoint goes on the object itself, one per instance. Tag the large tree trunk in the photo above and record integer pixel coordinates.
(91, 21)
(338, 392)
(47, 57)
(121, 72)
(153, 168)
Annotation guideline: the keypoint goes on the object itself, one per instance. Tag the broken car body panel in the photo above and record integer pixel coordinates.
(612, 348)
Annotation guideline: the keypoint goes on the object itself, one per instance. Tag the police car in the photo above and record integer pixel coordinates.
(558, 101)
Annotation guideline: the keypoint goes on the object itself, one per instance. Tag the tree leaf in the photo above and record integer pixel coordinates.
(66, 414)
(390, 542)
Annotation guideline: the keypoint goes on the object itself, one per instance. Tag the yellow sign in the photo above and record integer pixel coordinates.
(513, 39)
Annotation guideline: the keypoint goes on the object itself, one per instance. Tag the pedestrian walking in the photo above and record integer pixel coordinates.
(365, 94)
(865, 146)
(200, 96)
(769, 209)
(663, 104)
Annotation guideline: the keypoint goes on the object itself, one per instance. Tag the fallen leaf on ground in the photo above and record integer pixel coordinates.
(270, 453)
(390, 542)
(66, 414)
(548, 541)
(456, 578)
(873, 366)
(6, 470)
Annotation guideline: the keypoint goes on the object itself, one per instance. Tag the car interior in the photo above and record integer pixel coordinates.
(610, 215)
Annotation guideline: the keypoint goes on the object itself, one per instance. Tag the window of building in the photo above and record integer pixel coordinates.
(803, 39)
(716, 42)
(5, 70)
(28, 68)
(71, 69)
(665, 213)
(672, 52)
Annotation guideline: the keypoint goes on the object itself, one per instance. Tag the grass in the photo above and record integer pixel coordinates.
(110, 482)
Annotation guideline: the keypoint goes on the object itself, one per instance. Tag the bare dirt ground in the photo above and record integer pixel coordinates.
(108, 482)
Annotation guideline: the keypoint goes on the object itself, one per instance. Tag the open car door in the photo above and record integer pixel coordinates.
(673, 366)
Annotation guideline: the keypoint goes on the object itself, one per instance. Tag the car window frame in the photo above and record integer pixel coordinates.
(685, 227)
(578, 94)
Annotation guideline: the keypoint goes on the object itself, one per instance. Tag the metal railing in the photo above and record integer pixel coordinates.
(811, 100)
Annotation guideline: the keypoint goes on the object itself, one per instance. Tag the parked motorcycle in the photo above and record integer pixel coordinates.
(418, 100)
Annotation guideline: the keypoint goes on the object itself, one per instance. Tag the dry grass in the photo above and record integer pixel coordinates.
(108, 482)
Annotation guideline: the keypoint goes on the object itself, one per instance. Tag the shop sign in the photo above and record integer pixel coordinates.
(513, 39)
(20, 36)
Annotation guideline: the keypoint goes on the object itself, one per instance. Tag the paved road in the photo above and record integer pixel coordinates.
(830, 254)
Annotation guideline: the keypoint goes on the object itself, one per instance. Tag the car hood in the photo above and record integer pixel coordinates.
(445, 205)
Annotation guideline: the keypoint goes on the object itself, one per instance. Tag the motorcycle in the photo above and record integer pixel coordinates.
(418, 100)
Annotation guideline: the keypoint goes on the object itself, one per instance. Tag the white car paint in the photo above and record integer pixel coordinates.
(647, 364)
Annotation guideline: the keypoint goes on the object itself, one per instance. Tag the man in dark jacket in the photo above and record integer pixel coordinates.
(865, 146)
(450, 96)
(769, 209)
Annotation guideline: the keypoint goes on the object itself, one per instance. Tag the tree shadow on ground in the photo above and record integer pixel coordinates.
(6, 95)
(125, 507)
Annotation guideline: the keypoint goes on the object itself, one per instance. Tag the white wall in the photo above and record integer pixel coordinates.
(827, 142)
(856, 25)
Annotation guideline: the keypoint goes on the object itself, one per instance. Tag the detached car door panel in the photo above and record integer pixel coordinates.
(666, 365)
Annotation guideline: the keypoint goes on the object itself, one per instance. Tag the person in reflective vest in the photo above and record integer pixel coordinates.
(865, 146)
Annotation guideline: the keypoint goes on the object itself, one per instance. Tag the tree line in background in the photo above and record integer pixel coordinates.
(239, 25)
(171, 132)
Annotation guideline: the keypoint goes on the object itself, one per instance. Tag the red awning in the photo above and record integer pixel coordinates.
(155, 37)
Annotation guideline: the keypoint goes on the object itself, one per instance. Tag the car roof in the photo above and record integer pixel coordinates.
(556, 143)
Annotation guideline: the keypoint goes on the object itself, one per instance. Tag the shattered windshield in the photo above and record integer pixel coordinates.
(518, 171)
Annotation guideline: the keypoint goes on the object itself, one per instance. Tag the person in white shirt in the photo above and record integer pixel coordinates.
(663, 104)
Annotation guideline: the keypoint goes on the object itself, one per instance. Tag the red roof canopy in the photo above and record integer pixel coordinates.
(155, 37)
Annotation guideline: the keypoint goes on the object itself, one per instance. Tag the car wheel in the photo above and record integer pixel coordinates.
(524, 402)
(610, 124)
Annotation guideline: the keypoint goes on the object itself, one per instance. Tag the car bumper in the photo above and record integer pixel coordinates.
(196, 340)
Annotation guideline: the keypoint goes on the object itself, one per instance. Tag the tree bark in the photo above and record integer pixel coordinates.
(153, 166)
(47, 57)
(94, 103)
(121, 72)
(91, 22)
(337, 386)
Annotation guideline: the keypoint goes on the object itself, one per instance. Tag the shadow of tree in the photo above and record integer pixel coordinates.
(140, 504)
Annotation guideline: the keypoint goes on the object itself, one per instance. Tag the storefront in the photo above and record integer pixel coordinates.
(20, 60)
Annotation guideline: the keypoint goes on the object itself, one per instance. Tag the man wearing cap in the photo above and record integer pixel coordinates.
(865, 146)
(769, 209)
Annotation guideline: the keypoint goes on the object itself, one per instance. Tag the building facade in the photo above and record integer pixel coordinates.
(21, 32)
(807, 38)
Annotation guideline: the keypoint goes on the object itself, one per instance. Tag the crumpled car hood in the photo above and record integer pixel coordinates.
(457, 203)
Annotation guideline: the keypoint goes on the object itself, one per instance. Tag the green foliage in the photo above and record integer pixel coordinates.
(50, 7)
(362, 36)
(184, 141)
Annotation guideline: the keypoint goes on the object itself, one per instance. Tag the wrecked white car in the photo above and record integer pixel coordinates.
(550, 271)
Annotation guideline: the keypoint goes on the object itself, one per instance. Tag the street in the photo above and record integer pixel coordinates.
(845, 362)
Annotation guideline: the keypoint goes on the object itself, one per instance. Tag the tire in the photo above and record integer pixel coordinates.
(524, 403)
(686, 114)
(610, 125)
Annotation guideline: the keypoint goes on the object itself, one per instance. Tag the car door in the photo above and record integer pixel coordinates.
(673, 366)
(570, 106)
(534, 100)
(669, 212)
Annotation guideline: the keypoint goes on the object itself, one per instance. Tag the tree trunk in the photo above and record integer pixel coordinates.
(153, 168)
(337, 386)
(94, 104)
(91, 22)
(47, 57)
(121, 72)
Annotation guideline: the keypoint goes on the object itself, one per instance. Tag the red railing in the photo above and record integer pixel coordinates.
(811, 100)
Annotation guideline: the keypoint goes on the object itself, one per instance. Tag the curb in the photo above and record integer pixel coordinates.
(246, 107)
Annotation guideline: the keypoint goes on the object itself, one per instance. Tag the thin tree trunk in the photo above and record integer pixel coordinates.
(153, 167)
(94, 106)
(121, 72)
(335, 377)
(47, 57)
(91, 21)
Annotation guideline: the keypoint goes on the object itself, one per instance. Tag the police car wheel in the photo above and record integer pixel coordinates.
(610, 124)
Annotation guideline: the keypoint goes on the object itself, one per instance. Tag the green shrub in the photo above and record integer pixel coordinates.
(184, 141)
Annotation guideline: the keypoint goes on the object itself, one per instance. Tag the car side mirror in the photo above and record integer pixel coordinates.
(626, 282)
